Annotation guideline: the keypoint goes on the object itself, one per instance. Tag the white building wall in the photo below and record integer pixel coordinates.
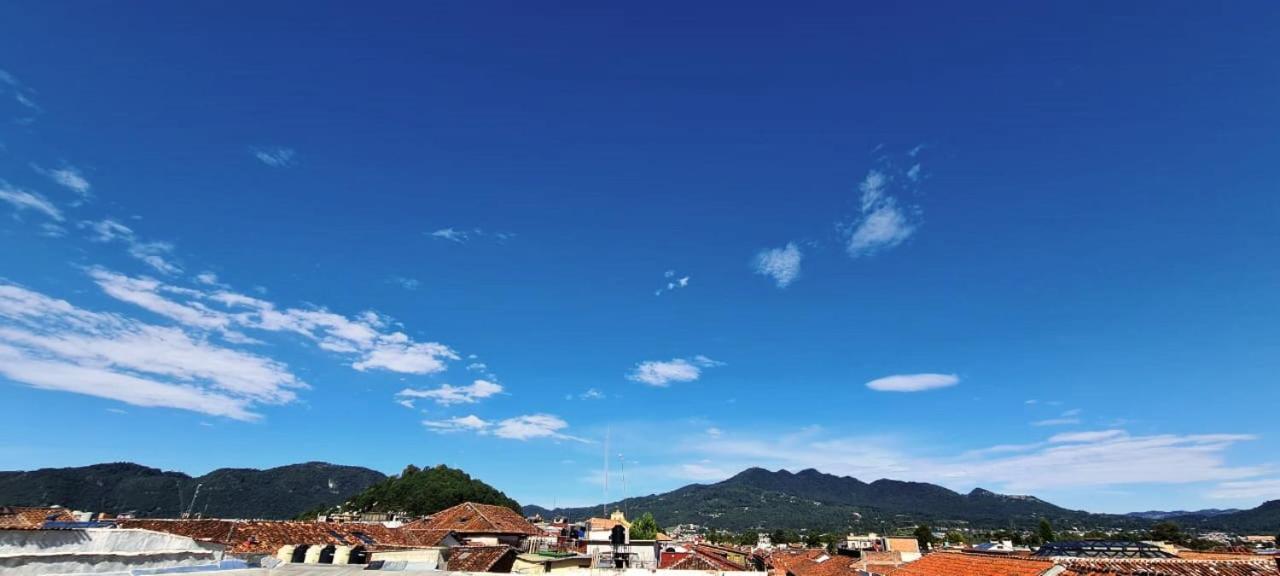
(99, 551)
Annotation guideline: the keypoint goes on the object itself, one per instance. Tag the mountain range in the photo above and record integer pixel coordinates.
(757, 499)
(754, 499)
(121, 487)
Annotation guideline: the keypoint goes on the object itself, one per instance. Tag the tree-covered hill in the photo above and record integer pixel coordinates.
(426, 491)
(121, 487)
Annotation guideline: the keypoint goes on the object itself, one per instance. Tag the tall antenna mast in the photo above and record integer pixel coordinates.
(622, 463)
(604, 506)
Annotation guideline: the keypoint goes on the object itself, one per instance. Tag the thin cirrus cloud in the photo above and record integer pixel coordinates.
(157, 255)
(25, 200)
(364, 337)
(68, 177)
(1067, 418)
(527, 427)
(1090, 436)
(1099, 460)
(462, 236)
(51, 344)
(447, 395)
(913, 382)
(780, 264)
(661, 373)
(1247, 490)
(274, 156)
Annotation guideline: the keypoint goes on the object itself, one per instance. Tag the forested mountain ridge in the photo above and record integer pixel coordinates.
(756, 499)
(124, 487)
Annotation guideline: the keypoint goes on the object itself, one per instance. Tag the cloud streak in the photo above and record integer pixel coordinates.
(447, 395)
(365, 337)
(913, 382)
(661, 374)
(1085, 460)
(25, 200)
(274, 156)
(50, 344)
(527, 427)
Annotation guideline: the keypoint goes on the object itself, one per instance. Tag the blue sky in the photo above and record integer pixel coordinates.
(1028, 248)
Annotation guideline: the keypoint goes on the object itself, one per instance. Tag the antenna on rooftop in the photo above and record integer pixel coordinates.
(622, 463)
(604, 506)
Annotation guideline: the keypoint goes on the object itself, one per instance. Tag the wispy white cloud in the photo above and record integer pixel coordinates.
(592, 394)
(462, 236)
(447, 395)
(1105, 460)
(780, 264)
(527, 427)
(1248, 490)
(882, 222)
(470, 423)
(406, 283)
(21, 94)
(1067, 418)
(23, 200)
(157, 255)
(68, 177)
(533, 426)
(1083, 437)
(1056, 422)
(451, 235)
(51, 344)
(365, 336)
(672, 281)
(274, 156)
(913, 382)
(662, 373)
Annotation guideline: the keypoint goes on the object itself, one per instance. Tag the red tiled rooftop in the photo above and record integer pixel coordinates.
(472, 518)
(961, 564)
(1168, 567)
(29, 517)
(266, 537)
(481, 559)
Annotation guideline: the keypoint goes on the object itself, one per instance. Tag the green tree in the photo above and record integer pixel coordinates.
(813, 540)
(1046, 531)
(924, 535)
(646, 528)
(427, 491)
(1167, 531)
(954, 537)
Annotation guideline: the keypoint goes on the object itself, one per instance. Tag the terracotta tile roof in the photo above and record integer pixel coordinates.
(721, 556)
(472, 518)
(596, 524)
(903, 544)
(696, 561)
(962, 564)
(481, 559)
(427, 538)
(1167, 567)
(266, 537)
(29, 517)
(219, 531)
(813, 562)
(965, 564)
(1216, 555)
(669, 559)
